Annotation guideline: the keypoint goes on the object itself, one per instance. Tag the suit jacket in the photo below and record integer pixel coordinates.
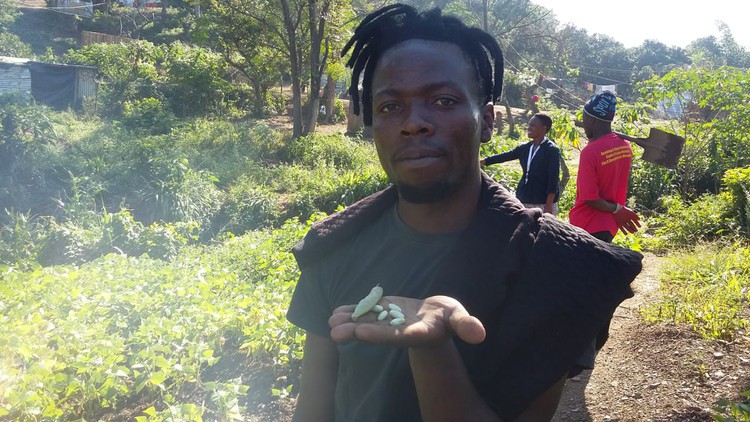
(541, 178)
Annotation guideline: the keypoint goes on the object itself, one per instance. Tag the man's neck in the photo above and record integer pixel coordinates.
(599, 134)
(449, 215)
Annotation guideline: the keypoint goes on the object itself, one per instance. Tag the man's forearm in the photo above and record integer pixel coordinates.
(603, 205)
(444, 388)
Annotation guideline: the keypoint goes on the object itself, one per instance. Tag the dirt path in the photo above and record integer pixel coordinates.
(654, 373)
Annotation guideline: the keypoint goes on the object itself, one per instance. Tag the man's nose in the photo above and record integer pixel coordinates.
(417, 122)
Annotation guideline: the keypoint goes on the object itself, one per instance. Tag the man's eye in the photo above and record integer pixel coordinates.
(387, 108)
(445, 101)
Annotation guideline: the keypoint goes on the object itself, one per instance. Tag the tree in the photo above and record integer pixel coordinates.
(298, 28)
(711, 52)
(716, 123)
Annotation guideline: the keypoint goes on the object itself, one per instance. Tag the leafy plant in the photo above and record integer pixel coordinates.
(80, 342)
(733, 412)
(706, 288)
(147, 115)
(683, 224)
(737, 182)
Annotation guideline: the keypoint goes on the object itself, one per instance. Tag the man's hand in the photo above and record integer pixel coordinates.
(428, 322)
(627, 220)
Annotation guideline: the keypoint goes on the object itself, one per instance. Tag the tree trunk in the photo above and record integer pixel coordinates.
(296, 70)
(317, 63)
(329, 98)
(508, 114)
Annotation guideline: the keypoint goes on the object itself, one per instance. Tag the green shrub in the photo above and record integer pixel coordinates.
(649, 183)
(334, 150)
(78, 242)
(707, 288)
(28, 150)
(733, 411)
(737, 182)
(276, 103)
(20, 239)
(331, 194)
(709, 218)
(84, 342)
(339, 111)
(11, 45)
(128, 72)
(250, 207)
(147, 115)
(194, 80)
(228, 150)
(172, 191)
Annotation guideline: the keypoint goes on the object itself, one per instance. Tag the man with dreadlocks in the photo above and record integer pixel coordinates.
(498, 300)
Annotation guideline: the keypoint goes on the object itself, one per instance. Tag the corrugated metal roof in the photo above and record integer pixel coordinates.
(13, 60)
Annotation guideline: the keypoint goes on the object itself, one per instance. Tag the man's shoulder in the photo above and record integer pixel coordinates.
(328, 233)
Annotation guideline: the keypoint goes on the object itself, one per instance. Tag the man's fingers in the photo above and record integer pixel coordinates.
(467, 327)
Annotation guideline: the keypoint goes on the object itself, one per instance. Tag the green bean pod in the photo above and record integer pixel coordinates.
(368, 302)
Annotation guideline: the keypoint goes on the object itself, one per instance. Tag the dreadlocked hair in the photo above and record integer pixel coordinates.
(391, 25)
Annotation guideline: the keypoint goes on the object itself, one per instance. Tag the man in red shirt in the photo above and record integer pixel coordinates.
(603, 171)
(601, 190)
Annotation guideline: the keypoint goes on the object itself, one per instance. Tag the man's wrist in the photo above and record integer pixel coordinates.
(617, 209)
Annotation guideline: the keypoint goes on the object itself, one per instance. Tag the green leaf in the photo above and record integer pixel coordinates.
(158, 378)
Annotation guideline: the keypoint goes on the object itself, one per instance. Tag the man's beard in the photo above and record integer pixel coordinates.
(435, 192)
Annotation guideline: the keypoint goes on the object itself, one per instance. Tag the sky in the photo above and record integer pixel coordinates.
(672, 22)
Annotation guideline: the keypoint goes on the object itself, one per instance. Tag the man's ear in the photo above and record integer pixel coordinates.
(488, 122)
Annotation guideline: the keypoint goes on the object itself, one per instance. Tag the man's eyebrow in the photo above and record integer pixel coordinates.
(428, 87)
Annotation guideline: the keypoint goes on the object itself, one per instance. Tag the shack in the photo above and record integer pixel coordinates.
(59, 86)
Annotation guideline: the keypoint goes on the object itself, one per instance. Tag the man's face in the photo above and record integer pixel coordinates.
(588, 125)
(427, 119)
(536, 129)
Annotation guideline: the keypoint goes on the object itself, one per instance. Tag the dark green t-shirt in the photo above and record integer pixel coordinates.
(402, 261)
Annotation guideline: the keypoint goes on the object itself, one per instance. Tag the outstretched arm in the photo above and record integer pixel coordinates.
(318, 381)
(627, 220)
(436, 365)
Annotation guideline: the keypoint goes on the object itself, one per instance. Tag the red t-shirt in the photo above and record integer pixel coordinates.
(603, 171)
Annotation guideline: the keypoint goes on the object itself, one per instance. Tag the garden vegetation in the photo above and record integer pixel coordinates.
(145, 238)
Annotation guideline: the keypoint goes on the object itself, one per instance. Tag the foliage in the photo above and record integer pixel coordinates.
(8, 12)
(75, 242)
(339, 111)
(78, 345)
(716, 123)
(650, 183)
(128, 71)
(20, 240)
(228, 149)
(26, 132)
(189, 79)
(11, 45)
(147, 115)
(250, 207)
(172, 191)
(737, 182)
(733, 412)
(681, 224)
(706, 288)
(333, 150)
(194, 80)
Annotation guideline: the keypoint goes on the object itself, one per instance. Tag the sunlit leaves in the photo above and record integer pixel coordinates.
(78, 340)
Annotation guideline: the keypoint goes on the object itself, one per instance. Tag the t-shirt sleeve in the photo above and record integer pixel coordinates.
(309, 308)
(588, 189)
